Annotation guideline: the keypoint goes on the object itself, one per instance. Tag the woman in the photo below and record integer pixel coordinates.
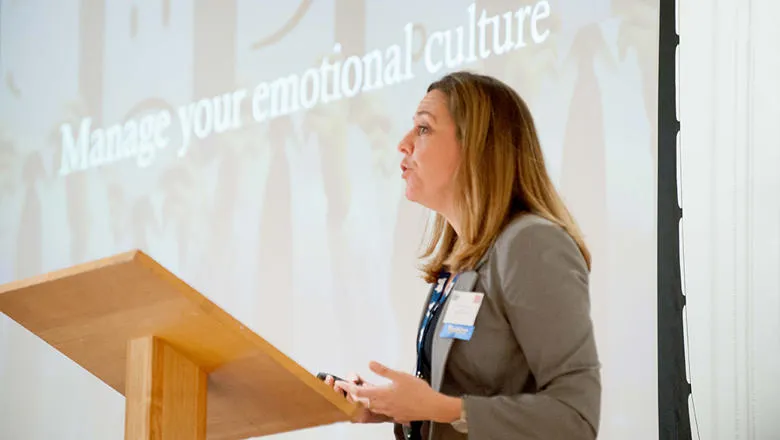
(506, 348)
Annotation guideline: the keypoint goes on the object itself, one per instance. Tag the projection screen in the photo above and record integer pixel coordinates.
(250, 147)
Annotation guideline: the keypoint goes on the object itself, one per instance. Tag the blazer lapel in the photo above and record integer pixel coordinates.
(441, 346)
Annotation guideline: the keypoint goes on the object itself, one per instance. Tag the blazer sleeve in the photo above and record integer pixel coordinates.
(544, 289)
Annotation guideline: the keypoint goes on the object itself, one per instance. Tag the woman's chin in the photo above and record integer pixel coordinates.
(411, 194)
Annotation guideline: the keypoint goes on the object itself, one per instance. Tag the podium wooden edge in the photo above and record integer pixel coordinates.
(75, 269)
(209, 307)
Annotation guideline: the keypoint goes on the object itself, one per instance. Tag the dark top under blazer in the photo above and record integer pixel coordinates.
(531, 369)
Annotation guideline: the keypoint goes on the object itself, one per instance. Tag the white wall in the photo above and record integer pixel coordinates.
(729, 104)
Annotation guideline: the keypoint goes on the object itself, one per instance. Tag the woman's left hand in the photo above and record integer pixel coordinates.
(406, 398)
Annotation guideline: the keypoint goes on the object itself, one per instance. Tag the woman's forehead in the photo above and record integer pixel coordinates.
(433, 104)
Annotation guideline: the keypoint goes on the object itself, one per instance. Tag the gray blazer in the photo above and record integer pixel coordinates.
(531, 369)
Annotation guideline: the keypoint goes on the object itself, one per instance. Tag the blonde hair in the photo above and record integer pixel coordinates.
(502, 174)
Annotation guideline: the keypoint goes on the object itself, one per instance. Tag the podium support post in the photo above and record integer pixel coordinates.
(166, 393)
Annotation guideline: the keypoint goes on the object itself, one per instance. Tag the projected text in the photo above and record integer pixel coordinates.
(481, 35)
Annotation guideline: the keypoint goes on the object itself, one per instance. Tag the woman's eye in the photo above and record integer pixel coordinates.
(421, 129)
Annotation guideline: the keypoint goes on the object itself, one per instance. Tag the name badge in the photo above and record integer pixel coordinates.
(461, 314)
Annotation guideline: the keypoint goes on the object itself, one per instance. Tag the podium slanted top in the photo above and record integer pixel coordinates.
(91, 311)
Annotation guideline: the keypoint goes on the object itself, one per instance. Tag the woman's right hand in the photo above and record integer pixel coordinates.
(363, 415)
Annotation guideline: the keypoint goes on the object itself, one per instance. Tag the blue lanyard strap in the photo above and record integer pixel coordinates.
(438, 297)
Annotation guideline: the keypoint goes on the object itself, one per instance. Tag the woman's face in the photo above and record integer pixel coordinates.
(431, 155)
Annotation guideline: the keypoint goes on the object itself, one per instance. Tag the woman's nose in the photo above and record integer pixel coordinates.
(406, 146)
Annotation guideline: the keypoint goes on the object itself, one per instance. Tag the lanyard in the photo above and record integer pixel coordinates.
(438, 297)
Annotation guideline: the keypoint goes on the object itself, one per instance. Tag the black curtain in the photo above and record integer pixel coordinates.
(673, 386)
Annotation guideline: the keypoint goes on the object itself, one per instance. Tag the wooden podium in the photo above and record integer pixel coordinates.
(187, 368)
